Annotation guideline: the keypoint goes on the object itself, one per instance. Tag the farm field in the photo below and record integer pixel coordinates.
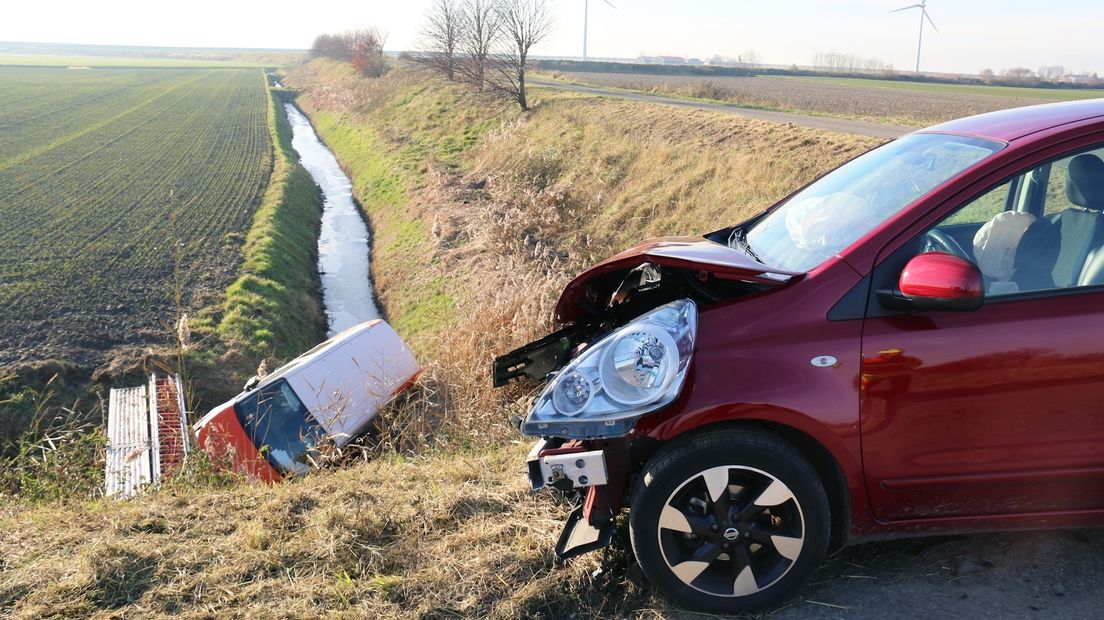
(79, 55)
(906, 103)
(1024, 92)
(114, 185)
(242, 61)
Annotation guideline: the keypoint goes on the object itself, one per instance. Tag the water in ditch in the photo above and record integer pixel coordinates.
(343, 249)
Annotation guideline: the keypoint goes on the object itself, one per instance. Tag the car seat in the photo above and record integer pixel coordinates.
(1080, 228)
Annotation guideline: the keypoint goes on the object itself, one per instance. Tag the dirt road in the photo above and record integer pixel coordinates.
(841, 125)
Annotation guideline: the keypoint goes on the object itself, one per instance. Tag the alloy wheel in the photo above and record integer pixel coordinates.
(731, 531)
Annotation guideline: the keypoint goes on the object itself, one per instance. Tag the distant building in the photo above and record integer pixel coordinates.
(694, 61)
(1078, 78)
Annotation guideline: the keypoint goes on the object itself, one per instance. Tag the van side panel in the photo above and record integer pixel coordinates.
(345, 386)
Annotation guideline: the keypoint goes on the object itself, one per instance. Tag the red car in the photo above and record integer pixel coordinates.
(911, 344)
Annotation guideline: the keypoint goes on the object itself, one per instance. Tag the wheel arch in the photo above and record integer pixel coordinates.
(820, 457)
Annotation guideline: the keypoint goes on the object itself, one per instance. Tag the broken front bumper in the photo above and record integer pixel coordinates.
(566, 466)
(572, 466)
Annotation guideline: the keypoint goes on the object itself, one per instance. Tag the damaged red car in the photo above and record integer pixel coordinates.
(911, 344)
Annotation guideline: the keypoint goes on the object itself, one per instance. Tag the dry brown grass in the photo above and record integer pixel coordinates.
(474, 238)
(918, 106)
(427, 537)
(480, 216)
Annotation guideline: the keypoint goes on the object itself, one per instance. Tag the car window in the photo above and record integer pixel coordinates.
(983, 208)
(1030, 233)
(836, 210)
(1057, 198)
(280, 426)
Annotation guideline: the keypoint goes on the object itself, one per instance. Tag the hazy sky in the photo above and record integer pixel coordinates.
(975, 34)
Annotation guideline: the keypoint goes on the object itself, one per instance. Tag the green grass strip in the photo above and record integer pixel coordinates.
(273, 307)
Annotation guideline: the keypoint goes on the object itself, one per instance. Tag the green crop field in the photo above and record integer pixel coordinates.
(114, 185)
(1025, 92)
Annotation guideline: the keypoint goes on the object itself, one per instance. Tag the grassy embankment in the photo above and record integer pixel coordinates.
(273, 310)
(872, 100)
(480, 214)
(274, 306)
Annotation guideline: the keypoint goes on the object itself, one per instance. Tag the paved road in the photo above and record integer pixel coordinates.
(841, 125)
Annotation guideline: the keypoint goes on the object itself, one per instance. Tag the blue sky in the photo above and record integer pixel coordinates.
(975, 34)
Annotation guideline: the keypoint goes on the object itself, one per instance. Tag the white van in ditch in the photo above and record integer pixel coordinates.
(331, 392)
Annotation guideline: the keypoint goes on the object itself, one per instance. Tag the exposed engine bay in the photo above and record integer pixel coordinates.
(610, 300)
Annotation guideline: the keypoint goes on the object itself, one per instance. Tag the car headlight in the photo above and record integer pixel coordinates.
(635, 370)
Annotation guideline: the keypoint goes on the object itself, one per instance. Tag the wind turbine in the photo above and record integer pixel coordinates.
(923, 6)
(586, 13)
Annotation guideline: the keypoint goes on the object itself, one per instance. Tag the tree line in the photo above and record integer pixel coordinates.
(363, 48)
(484, 43)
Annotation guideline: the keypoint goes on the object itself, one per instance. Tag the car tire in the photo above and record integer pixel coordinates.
(729, 521)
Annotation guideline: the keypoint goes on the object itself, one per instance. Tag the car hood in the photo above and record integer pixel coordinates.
(698, 253)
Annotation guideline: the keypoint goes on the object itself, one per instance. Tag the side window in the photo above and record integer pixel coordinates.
(983, 208)
(1057, 192)
(1042, 229)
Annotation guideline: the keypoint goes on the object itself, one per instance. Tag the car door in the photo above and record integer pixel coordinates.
(997, 411)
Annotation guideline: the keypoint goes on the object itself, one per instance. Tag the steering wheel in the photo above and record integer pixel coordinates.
(938, 241)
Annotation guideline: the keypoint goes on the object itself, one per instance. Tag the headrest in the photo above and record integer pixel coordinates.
(1085, 187)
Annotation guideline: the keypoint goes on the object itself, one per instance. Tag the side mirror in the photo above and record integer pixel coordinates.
(937, 281)
(252, 384)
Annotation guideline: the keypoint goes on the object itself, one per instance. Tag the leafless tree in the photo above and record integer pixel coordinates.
(478, 34)
(338, 46)
(1019, 75)
(524, 23)
(367, 51)
(748, 59)
(363, 48)
(441, 34)
(1051, 73)
(837, 62)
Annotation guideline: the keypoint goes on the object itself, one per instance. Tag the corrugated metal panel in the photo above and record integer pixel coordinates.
(155, 436)
(185, 433)
(128, 448)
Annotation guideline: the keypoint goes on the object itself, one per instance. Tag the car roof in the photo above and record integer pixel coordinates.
(1009, 125)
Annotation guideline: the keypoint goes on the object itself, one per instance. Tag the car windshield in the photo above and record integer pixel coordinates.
(838, 209)
(280, 426)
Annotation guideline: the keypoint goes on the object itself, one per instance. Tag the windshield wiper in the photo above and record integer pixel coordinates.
(739, 241)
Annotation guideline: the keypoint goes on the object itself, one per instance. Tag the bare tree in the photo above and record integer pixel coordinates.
(478, 34)
(748, 60)
(441, 33)
(363, 48)
(1019, 75)
(338, 46)
(524, 23)
(367, 51)
(1051, 73)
